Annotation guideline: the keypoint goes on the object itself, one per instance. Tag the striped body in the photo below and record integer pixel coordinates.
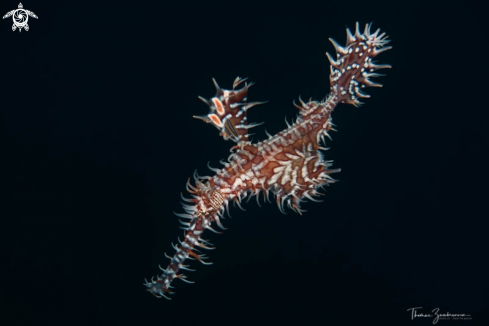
(289, 164)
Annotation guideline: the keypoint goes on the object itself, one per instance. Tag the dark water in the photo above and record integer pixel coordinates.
(97, 142)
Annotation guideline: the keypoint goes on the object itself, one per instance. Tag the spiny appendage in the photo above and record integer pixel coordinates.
(307, 175)
(228, 111)
(354, 67)
(206, 208)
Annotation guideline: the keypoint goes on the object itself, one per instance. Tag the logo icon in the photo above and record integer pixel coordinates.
(20, 17)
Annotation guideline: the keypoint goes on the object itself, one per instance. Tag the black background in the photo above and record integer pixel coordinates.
(97, 142)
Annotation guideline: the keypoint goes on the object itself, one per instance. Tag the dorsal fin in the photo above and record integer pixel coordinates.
(228, 111)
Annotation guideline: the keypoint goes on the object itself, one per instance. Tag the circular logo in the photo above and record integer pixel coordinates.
(20, 17)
